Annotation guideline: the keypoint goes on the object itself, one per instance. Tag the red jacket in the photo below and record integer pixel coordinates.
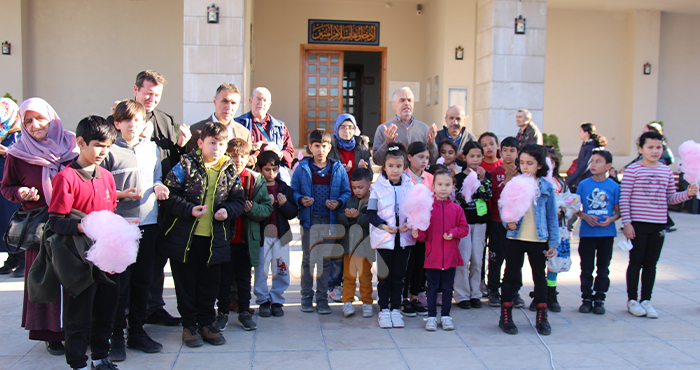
(446, 217)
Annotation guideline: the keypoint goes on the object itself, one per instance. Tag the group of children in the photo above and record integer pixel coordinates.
(218, 219)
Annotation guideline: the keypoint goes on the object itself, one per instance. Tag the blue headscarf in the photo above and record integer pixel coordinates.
(345, 144)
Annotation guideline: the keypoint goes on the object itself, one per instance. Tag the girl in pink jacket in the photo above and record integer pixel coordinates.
(447, 226)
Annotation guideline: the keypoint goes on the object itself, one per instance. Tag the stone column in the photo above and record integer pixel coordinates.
(213, 54)
(509, 66)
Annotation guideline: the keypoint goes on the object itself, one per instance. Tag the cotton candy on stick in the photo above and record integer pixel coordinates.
(690, 161)
(417, 207)
(517, 197)
(469, 186)
(116, 241)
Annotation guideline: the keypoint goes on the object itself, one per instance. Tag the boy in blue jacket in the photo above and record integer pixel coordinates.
(321, 188)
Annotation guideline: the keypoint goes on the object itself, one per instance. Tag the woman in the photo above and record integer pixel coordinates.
(42, 151)
(9, 134)
(591, 140)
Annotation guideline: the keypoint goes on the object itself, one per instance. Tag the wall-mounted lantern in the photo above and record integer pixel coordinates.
(520, 25)
(647, 68)
(459, 53)
(6, 48)
(213, 14)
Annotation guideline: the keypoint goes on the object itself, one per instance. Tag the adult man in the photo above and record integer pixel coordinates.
(403, 128)
(455, 117)
(265, 129)
(226, 103)
(528, 133)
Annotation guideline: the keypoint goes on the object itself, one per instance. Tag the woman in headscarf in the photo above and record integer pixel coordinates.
(9, 134)
(41, 152)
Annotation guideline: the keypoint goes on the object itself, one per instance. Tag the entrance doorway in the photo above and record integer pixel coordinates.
(339, 79)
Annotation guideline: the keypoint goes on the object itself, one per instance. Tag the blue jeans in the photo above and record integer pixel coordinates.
(315, 254)
(336, 274)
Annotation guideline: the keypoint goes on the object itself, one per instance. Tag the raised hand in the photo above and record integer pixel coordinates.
(390, 133)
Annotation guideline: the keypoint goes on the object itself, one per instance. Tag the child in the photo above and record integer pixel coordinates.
(647, 189)
(275, 251)
(389, 234)
(358, 256)
(472, 247)
(206, 197)
(442, 255)
(492, 158)
(246, 242)
(536, 234)
(321, 188)
(497, 232)
(600, 198)
(418, 158)
(85, 186)
(135, 164)
(448, 152)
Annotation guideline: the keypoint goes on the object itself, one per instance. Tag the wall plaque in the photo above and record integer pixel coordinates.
(343, 32)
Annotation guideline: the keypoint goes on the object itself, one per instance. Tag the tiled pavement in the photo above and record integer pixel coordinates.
(299, 340)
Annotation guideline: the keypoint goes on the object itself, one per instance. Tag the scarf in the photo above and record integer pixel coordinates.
(342, 143)
(57, 147)
(9, 116)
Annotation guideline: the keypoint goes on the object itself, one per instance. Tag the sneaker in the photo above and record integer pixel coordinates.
(465, 305)
(484, 289)
(221, 321)
(162, 317)
(348, 309)
(475, 302)
(385, 319)
(307, 305)
(212, 335)
(104, 364)
(367, 310)
(245, 320)
(423, 299)
(396, 319)
(431, 323)
(265, 310)
(55, 348)
(323, 308)
(635, 309)
(191, 336)
(142, 342)
(6, 269)
(599, 308)
(518, 301)
(439, 299)
(419, 308)
(586, 306)
(446, 323)
(533, 304)
(651, 312)
(495, 299)
(407, 309)
(277, 310)
(336, 294)
(117, 350)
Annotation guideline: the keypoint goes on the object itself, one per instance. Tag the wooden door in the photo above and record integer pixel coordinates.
(352, 92)
(322, 90)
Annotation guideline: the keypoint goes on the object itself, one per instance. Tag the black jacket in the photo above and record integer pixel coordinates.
(285, 213)
(582, 172)
(165, 136)
(355, 242)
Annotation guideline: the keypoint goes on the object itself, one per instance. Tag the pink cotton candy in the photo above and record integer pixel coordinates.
(690, 161)
(517, 197)
(469, 186)
(116, 241)
(417, 207)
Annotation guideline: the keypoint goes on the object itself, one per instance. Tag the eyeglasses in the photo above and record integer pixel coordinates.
(347, 127)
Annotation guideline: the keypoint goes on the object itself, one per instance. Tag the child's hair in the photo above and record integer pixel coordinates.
(216, 130)
(537, 152)
(266, 157)
(450, 143)
(556, 162)
(605, 154)
(361, 174)
(656, 127)
(446, 172)
(472, 145)
(650, 135)
(599, 140)
(511, 142)
(126, 110)
(491, 134)
(96, 128)
(238, 146)
(417, 147)
(319, 136)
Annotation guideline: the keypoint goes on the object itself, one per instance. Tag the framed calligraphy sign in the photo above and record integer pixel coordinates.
(343, 32)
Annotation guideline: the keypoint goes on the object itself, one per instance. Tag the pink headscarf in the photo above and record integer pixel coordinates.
(57, 147)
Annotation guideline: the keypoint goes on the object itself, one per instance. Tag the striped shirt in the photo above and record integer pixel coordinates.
(646, 193)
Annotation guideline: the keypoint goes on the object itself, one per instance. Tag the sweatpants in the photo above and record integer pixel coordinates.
(238, 270)
(391, 272)
(273, 257)
(357, 267)
(468, 277)
(645, 253)
(415, 273)
(513, 275)
(196, 284)
(440, 280)
(316, 254)
(88, 319)
(155, 291)
(497, 245)
(595, 253)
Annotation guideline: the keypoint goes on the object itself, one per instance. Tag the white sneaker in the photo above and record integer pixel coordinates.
(336, 294)
(446, 323)
(396, 319)
(651, 312)
(431, 323)
(385, 319)
(367, 310)
(348, 309)
(635, 309)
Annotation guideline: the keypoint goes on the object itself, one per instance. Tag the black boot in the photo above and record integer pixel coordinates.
(506, 322)
(10, 264)
(533, 304)
(542, 324)
(552, 302)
